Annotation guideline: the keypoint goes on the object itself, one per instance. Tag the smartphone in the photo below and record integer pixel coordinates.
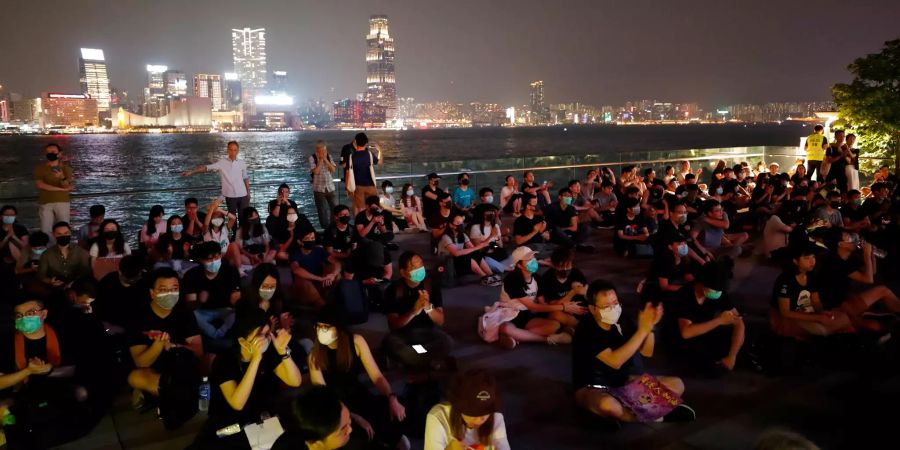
(419, 349)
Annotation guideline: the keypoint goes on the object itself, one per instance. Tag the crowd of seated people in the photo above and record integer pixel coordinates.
(225, 297)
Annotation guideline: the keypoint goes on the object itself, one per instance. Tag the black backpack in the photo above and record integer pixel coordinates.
(179, 386)
(351, 297)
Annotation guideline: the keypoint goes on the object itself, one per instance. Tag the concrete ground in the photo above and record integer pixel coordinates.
(832, 404)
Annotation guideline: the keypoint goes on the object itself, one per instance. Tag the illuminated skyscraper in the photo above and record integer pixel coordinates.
(381, 80)
(209, 86)
(155, 91)
(175, 83)
(232, 90)
(94, 77)
(248, 49)
(539, 111)
(279, 81)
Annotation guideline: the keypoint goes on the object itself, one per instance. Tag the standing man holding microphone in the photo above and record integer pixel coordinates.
(234, 177)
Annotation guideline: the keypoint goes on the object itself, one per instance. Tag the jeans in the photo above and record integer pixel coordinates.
(325, 203)
(498, 266)
(398, 345)
(205, 317)
(569, 239)
(50, 213)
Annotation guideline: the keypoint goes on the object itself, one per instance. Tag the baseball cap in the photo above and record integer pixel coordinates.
(474, 393)
(521, 254)
(433, 175)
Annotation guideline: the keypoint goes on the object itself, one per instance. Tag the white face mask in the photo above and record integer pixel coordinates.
(327, 336)
(292, 218)
(610, 316)
(217, 222)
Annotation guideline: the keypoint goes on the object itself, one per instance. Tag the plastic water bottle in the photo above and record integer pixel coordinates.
(203, 404)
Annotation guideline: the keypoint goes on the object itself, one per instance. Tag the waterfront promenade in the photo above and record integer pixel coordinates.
(832, 405)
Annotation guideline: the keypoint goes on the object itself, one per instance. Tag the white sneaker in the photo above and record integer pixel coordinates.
(559, 339)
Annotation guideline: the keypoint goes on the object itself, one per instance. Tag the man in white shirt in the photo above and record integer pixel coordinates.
(234, 177)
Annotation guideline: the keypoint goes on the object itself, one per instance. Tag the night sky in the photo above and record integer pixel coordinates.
(594, 51)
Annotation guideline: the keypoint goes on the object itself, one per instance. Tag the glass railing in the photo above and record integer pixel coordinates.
(130, 206)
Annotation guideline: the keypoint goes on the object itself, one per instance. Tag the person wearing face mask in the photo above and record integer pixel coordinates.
(854, 218)
(375, 224)
(247, 382)
(608, 352)
(411, 206)
(90, 231)
(630, 229)
(467, 257)
(562, 222)
(120, 293)
(153, 228)
(218, 225)
(389, 204)
(279, 206)
(181, 242)
(13, 235)
(55, 181)
(561, 284)
(486, 205)
(530, 228)
(671, 269)
(437, 223)
(830, 212)
(487, 228)
(710, 232)
(415, 313)
(160, 328)
(471, 417)
(463, 196)
(710, 328)
(285, 238)
(338, 237)
(213, 287)
(108, 249)
(252, 240)
(532, 323)
(65, 261)
(338, 360)
(676, 223)
(430, 196)
(314, 270)
(27, 264)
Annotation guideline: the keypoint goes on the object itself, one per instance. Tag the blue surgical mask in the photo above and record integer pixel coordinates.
(28, 324)
(166, 300)
(38, 251)
(9, 220)
(489, 199)
(389, 189)
(177, 228)
(683, 249)
(712, 294)
(567, 201)
(720, 191)
(410, 192)
(417, 275)
(532, 266)
(636, 210)
(213, 266)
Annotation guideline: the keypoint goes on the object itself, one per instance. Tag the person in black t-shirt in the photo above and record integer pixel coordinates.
(119, 294)
(671, 269)
(486, 206)
(438, 221)
(245, 384)
(562, 220)
(415, 314)
(13, 235)
(338, 237)
(562, 284)
(431, 196)
(318, 421)
(529, 228)
(160, 327)
(630, 229)
(214, 287)
(797, 310)
(710, 327)
(852, 213)
(607, 352)
(193, 220)
(314, 270)
(375, 223)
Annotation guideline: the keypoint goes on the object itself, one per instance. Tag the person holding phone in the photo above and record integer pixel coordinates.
(471, 419)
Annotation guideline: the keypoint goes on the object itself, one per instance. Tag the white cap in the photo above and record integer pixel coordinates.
(521, 254)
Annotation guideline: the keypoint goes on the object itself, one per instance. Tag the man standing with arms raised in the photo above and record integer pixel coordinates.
(54, 181)
(235, 180)
(816, 144)
(359, 170)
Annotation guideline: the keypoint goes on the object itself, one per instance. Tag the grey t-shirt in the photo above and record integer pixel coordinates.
(834, 218)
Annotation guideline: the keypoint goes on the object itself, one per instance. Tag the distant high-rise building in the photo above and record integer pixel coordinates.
(538, 109)
(248, 49)
(175, 83)
(155, 91)
(69, 110)
(232, 91)
(209, 86)
(358, 114)
(279, 82)
(94, 77)
(381, 87)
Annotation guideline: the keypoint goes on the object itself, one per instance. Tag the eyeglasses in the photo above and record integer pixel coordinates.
(29, 313)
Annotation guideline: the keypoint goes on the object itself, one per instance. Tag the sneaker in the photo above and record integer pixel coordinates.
(486, 281)
(508, 342)
(137, 399)
(681, 413)
(559, 339)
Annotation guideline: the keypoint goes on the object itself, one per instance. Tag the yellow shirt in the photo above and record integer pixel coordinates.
(48, 175)
(814, 150)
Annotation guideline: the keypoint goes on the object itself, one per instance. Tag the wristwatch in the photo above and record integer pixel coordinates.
(429, 309)
(287, 353)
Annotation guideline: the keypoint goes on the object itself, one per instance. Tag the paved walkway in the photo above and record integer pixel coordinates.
(835, 407)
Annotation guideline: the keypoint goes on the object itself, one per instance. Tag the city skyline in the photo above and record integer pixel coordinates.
(593, 52)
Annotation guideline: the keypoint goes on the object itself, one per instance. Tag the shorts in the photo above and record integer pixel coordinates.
(525, 316)
(360, 194)
(795, 328)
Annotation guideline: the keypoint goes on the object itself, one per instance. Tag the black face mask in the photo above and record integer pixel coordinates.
(373, 211)
(563, 273)
(464, 182)
(64, 241)
(344, 219)
(110, 235)
(52, 156)
(309, 245)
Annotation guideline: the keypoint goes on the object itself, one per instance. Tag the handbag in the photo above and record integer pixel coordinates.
(351, 180)
(647, 398)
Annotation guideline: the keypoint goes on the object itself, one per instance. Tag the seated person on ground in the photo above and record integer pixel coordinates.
(797, 309)
(630, 229)
(487, 228)
(90, 231)
(777, 232)
(337, 360)
(415, 315)
(278, 209)
(710, 232)
(486, 206)
(829, 213)
(467, 257)
(437, 222)
(587, 215)
(375, 224)
(121, 293)
(218, 224)
(247, 382)
(711, 329)
(338, 237)
(463, 195)
(160, 328)
(563, 283)
(606, 203)
(536, 320)
(471, 417)
(510, 196)
(607, 353)
(671, 270)
(411, 206)
(181, 242)
(854, 219)
(108, 248)
(64, 262)
(285, 238)
(530, 228)
(13, 235)
(314, 270)
(562, 222)
(212, 288)
(193, 220)
(317, 420)
(252, 240)
(27, 264)
(153, 228)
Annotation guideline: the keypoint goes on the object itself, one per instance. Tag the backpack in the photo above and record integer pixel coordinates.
(178, 388)
(350, 295)
(313, 166)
